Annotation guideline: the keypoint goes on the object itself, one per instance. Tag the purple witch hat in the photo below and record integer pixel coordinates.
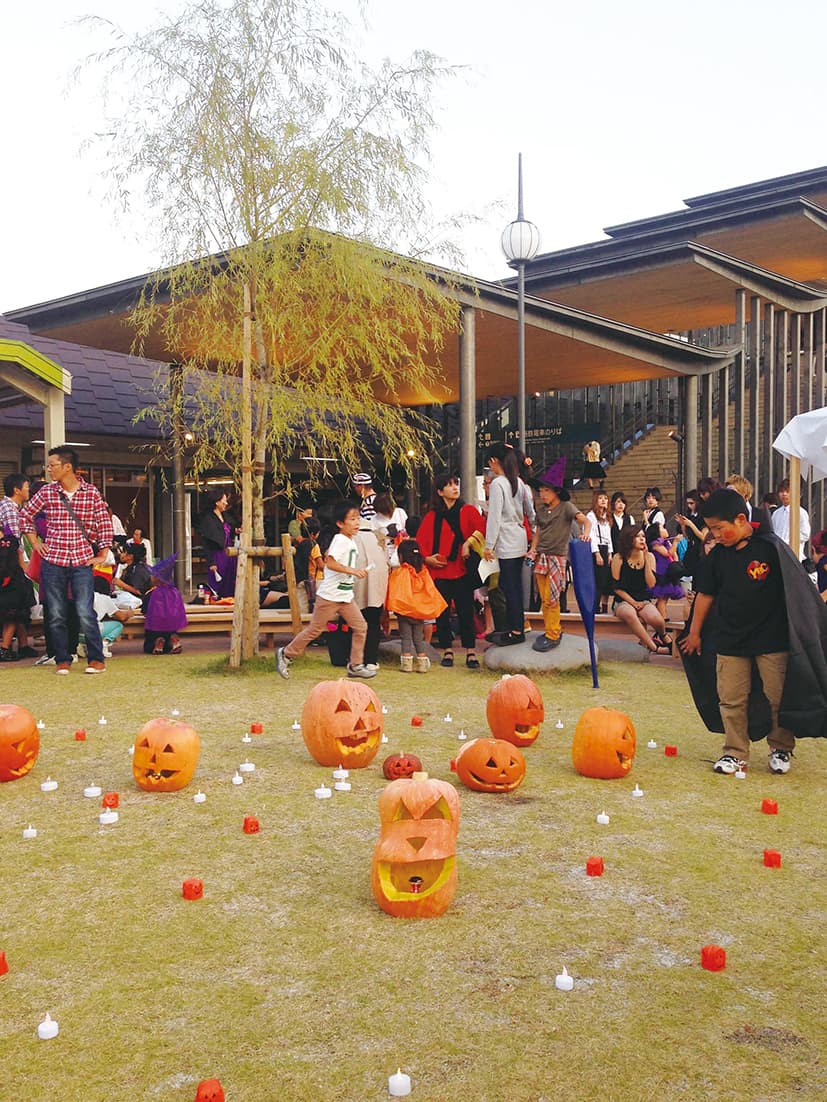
(555, 474)
(164, 571)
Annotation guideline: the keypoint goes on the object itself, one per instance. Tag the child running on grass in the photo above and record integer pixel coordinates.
(334, 594)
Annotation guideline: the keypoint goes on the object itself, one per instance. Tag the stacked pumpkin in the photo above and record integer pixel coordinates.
(19, 742)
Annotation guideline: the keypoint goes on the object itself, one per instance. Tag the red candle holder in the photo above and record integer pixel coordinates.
(251, 825)
(415, 884)
(713, 958)
(209, 1090)
(769, 807)
(4, 967)
(193, 888)
(594, 866)
(416, 721)
(772, 859)
(256, 728)
(670, 751)
(110, 799)
(80, 735)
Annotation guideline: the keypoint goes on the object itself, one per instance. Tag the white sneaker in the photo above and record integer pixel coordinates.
(372, 666)
(728, 764)
(107, 651)
(361, 670)
(779, 761)
(45, 660)
(282, 664)
(81, 650)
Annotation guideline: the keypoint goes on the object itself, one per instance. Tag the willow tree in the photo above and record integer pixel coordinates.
(285, 178)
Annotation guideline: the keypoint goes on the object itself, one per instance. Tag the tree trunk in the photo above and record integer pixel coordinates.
(241, 642)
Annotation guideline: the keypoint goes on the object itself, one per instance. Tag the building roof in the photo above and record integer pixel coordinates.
(107, 388)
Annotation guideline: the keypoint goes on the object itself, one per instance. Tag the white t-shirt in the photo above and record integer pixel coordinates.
(336, 586)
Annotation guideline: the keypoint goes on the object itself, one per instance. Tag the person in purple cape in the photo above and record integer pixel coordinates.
(165, 613)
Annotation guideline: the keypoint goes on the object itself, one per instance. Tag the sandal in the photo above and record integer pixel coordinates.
(447, 658)
(472, 662)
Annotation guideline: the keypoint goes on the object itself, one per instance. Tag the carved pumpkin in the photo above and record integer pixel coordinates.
(490, 765)
(604, 744)
(165, 755)
(209, 1090)
(19, 742)
(401, 765)
(515, 709)
(414, 870)
(342, 723)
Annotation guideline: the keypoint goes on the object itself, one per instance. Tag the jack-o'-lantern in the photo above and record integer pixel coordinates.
(209, 1090)
(515, 709)
(414, 869)
(604, 744)
(342, 723)
(165, 755)
(19, 742)
(401, 765)
(490, 765)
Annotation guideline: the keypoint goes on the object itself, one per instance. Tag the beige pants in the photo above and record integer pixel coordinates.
(323, 612)
(734, 681)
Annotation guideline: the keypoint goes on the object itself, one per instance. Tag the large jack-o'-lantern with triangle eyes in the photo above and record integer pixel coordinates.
(515, 709)
(414, 869)
(604, 744)
(19, 742)
(490, 765)
(165, 755)
(342, 723)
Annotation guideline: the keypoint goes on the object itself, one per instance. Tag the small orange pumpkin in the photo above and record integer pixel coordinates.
(401, 765)
(490, 765)
(19, 742)
(165, 755)
(604, 744)
(515, 709)
(342, 723)
(414, 869)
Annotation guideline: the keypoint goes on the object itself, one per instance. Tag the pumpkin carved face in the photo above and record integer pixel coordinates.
(490, 765)
(515, 710)
(401, 765)
(414, 871)
(165, 755)
(604, 744)
(19, 742)
(342, 723)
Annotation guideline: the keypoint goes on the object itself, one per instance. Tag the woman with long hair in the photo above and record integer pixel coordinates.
(510, 506)
(601, 541)
(633, 574)
(621, 518)
(445, 537)
(216, 536)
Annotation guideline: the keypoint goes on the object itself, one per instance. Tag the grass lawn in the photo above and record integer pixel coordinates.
(287, 982)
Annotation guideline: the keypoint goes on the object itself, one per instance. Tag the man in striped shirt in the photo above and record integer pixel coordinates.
(78, 536)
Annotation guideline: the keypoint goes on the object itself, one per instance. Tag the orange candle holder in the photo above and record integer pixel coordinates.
(772, 859)
(251, 825)
(769, 807)
(713, 958)
(110, 799)
(193, 888)
(256, 728)
(416, 721)
(670, 751)
(209, 1090)
(80, 735)
(594, 866)
(4, 966)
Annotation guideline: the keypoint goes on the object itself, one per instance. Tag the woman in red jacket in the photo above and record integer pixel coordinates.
(444, 538)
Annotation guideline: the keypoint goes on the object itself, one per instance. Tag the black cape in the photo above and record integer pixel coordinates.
(804, 703)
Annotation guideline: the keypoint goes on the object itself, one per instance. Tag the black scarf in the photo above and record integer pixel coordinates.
(452, 517)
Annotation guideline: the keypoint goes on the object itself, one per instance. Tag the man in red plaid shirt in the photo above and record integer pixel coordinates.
(74, 545)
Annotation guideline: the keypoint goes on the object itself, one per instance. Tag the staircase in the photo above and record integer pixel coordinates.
(650, 461)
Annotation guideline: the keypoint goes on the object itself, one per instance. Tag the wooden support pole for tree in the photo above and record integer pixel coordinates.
(290, 578)
(241, 621)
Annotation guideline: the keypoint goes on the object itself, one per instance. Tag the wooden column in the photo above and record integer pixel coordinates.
(753, 427)
(740, 404)
(764, 425)
(467, 404)
(706, 425)
(819, 401)
(690, 452)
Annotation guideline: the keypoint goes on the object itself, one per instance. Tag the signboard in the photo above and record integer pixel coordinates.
(579, 433)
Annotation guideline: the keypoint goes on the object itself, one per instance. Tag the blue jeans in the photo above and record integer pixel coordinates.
(511, 583)
(55, 583)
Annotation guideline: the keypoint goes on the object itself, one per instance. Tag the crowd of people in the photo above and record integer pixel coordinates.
(64, 552)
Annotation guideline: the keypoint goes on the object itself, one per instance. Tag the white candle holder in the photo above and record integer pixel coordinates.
(199, 797)
(564, 982)
(238, 779)
(92, 791)
(29, 832)
(48, 785)
(323, 792)
(247, 767)
(47, 1029)
(108, 816)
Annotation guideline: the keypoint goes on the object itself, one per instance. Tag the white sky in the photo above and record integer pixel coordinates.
(620, 110)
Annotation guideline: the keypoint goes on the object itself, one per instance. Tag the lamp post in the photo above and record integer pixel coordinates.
(520, 242)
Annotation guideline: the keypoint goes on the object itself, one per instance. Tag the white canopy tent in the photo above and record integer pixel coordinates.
(803, 441)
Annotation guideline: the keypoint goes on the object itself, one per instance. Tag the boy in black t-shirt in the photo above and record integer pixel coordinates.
(743, 575)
